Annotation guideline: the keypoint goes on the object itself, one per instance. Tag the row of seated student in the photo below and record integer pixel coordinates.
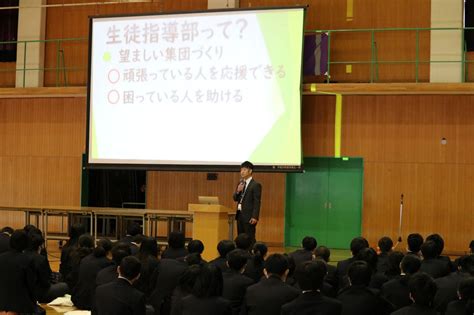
(133, 277)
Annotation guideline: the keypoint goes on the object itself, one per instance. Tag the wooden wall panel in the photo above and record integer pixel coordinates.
(317, 125)
(470, 66)
(174, 190)
(7, 74)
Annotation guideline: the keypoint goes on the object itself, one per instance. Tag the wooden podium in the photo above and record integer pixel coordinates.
(210, 225)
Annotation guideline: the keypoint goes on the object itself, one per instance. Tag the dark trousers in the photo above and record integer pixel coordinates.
(247, 228)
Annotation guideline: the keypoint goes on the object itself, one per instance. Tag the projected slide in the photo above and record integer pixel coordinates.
(209, 88)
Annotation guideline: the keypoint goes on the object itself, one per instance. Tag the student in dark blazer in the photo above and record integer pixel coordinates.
(205, 297)
(357, 244)
(465, 304)
(310, 276)
(82, 294)
(432, 264)
(235, 283)
(133, 237)
(148, 256)
(358, 298)
(385, 245)
(65, 267)
(422, 291)
(224, 247)
(306, 253)
(176, 249)
(255, 263)
(120, 297)
(322, 252)
(248, 196)
(270, 294)
(448, 285)
(5, 234)
(18, 279)
(396, 290)
(414, 242)
(110, 273)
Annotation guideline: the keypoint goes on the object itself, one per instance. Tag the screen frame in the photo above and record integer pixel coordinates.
(188, 167)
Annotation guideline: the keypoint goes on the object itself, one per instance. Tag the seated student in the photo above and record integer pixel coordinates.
(439, 251)
(255, 263)
(176, 247)
(290, 278)
(396, 290)
(357, 298)
(45, 290)
(433, 266)
(385, 245)
(224, 247)
(422, 291)
(243, 241)
(134, 231)
(324, 253)
(414, 242)
(357, 244)
(65, 267)
(120, 297)
(82, 294)
(235, 283)
(195, 247)
(148, 256)
(369, 255)
(270, 294)
(393, 265)
(304, 254)
(185, 285)
(310, 276)
(465, 304)
(109, 274)
(205, 297)
(85, 247)
(18, 279)
(448, 285)
(471, 247)
(5, 234)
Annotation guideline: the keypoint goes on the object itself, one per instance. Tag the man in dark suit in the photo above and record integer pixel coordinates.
(120, 297)
(270, 294)
(304, 254)
(357, 244)
(422, 290)
(310, 276)
(18, 278)
(234, 282)
(247, 195)
(5, 234)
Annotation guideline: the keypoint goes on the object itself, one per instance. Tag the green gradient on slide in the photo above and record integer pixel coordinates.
(283, 141)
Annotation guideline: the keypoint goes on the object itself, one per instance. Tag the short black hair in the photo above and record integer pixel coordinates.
(422, 288)
(134, 228)
(243, 241)
(276, 264)
(385, 244)
(130, 267)
(309, 243)
(394, 259)
(414, 242)
(35, 240)
(76, 230)
(148, 247)
(323, 252)
(438, 240)
(208, 282)
(176, 239)
(429, 249)
(224, 247)
(471, 246)
(19, 240)
(357, 244)
(31, 228)
(467, 264)
(86, 240)
(8, 230)
(247, 164)
(359, 273)
(259, 252)
(193, 259)
(310, 274)
(195, 246)
(120, 251)
(104, 246)
(369, 255)
(237, 258)
(410, 264)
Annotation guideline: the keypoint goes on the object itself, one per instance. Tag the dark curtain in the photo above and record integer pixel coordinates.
(469, 19)
(8, 30)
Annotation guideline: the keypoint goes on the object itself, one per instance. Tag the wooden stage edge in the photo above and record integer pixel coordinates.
(308, 89)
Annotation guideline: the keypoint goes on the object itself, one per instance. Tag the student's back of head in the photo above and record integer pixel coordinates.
(309, 243)
(259, 252)
(422, 289)
(410, 264)
(438, 240)
(120, 251)
(323, 252)
(176, 240)
(385, 244)
(19, 240)
(103, 248)
(429, 250)
(276, 264)
(369, 255)
(394, 259)
(359, 273)
(195, 246)
(243, 241)
(466, 264)
(310, 275)
(134, 229)
(224, 247)
(35, 241)
(75, 231)
(130, 268)
(357, 244)
(237, 259)
(471, 246)
(414, 242)
(208, 282)
(7, 230)
(148, 248)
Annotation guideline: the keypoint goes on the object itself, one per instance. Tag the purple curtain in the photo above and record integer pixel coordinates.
(8, 30)
(315, 57)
